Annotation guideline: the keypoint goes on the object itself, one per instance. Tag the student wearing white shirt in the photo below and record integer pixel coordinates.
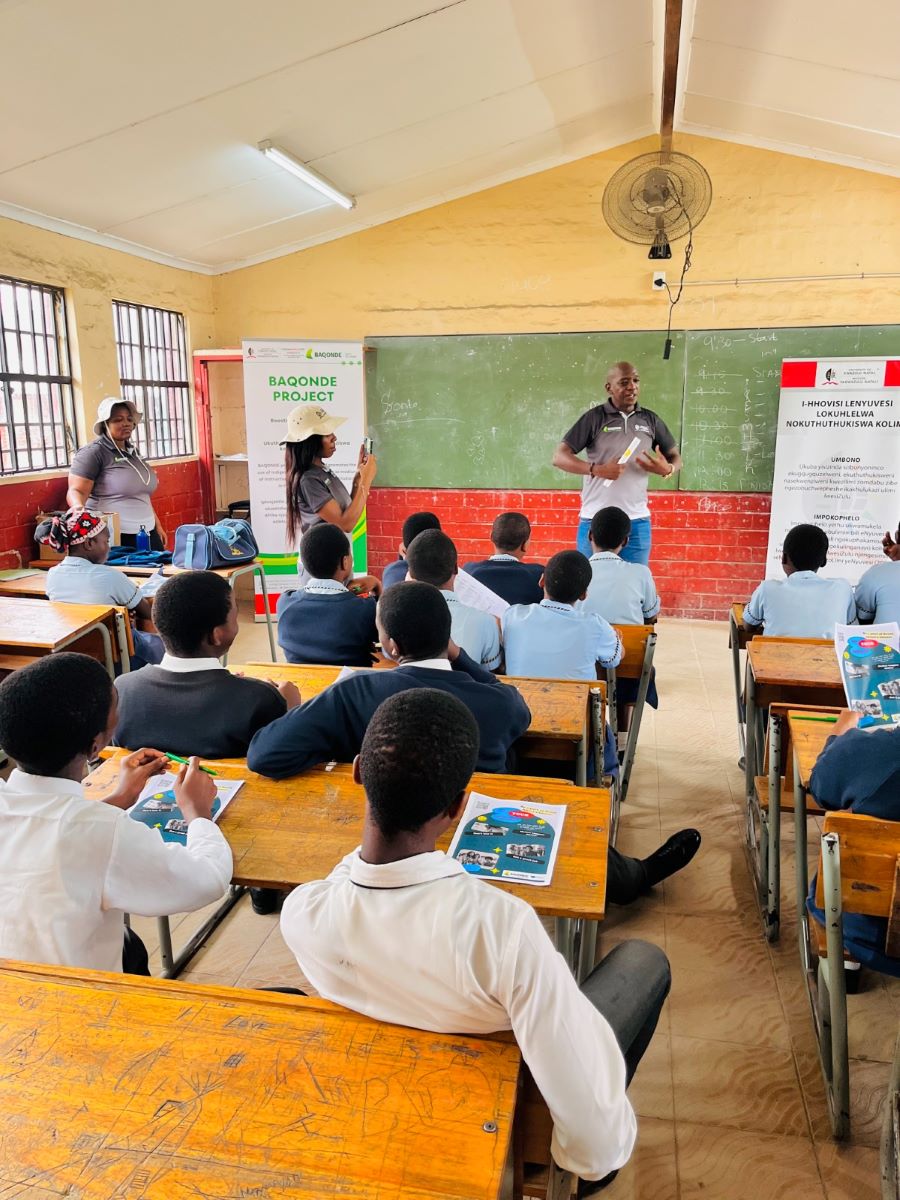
(70, 868)
(802, 605)
(878, 591)
(622, 592)
(431, 558)
(400, 932)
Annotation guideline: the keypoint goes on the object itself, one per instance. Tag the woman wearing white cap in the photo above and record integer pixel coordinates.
(108, 474)
(314, 493)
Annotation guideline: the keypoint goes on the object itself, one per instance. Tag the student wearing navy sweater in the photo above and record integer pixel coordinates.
(414, 628)
(505, 572)
(414, 524)
(325, 622)
(858, 770)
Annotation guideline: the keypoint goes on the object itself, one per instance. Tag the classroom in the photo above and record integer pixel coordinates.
(448, 439)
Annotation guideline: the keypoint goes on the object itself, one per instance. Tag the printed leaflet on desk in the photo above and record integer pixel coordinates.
(472, 592)
(869, 658)
(157, 807)
(511, 842)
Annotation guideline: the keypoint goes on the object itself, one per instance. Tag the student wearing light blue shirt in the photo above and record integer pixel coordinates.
(878, 592)
(431, 558)
(802, 605)
(554, 639)
(622, 592)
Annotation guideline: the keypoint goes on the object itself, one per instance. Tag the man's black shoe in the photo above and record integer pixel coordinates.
(672, 855)
(265, 900)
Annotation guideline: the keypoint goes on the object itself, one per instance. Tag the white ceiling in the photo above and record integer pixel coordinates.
(137, 125)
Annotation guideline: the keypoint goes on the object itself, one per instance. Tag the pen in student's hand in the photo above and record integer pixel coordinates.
(177, 758)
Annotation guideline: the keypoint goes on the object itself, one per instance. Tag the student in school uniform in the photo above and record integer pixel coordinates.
(326, 621)
(414, 629)
(400, 932)
(858, 770)
(83, 577)
(554, 639)
(505, 572)
(802, 605)
(621, 592)
(431, 558)
(414, 524)
(878, 591)
(71, 867)
(189, 703)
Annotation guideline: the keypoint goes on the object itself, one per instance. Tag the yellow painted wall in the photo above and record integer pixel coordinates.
(535, 255)
(93, 277)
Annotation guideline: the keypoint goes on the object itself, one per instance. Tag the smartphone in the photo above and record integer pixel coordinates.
(367, 446)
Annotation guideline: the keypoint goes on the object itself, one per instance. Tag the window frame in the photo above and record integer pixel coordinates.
(161, 350)
(65, 439)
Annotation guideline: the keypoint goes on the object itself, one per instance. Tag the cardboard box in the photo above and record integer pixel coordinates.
(47, 552)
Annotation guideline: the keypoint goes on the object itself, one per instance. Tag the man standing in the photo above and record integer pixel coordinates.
(606, 432)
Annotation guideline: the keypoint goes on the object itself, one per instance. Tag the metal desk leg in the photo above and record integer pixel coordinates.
(802, 868)
(172, 966)
(736, 666)
(831, 972)
(165, 945)
(265, 595)
(565, 940)
(122, 640)
(587, 949)
(581, 757)
(773, 894)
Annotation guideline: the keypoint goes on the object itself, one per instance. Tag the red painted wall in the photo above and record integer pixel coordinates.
(177, 500)
(709, 548)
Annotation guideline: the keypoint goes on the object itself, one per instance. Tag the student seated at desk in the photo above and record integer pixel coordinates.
(878, 591)
(414, 629)
(83, 578)
(190, 704)
(414, 524)
(858, 770)
(431, 558)
(326, 622)
(400, 932)
(621, 592)
(554, 639)
(505, 572)
(802, 605)
(71, 868)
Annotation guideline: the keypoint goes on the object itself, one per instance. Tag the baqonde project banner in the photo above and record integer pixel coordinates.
(279, 375)
(837, 459)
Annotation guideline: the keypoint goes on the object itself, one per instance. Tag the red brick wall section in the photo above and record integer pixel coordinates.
(709, 548)
(177, 500)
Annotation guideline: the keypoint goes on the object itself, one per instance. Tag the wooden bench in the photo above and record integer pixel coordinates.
(859, 872)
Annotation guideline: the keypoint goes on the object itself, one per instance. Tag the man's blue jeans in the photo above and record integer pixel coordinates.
(639, 541)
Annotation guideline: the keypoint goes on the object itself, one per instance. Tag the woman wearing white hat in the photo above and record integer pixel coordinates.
(314, 493)
(108, 474)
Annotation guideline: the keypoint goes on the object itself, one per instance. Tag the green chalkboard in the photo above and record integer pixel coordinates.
(732, 384)
(489, 410)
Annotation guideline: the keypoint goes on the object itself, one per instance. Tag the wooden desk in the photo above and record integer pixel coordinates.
(120, 1086)
(37, 627)
(561, 709)
(287, 832)
(34, 587)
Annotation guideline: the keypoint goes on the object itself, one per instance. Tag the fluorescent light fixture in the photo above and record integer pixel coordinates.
(289, 163)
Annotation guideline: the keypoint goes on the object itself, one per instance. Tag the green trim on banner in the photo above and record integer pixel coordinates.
(360, 542)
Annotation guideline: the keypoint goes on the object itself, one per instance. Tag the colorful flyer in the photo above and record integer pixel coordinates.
(157, 807)
(869, 658)
(506, 841)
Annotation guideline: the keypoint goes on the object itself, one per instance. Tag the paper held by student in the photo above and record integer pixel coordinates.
(157, 807)
(470, 591)
(501, 840)
(869, 658)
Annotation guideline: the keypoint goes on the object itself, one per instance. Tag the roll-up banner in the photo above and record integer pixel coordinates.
(279, 375)
(837, 459)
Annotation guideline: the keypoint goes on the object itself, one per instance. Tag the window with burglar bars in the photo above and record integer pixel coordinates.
(37, 419)
(153, 372)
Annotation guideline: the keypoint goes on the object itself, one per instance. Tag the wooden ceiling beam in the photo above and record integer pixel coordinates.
(671, 43)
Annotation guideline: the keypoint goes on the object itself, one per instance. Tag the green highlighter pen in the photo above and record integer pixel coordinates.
(829, 720)
(177, 758)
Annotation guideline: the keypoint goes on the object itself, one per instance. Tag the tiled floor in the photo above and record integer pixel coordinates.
(729, 1096)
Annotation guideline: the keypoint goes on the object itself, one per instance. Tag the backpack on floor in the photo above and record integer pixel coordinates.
(228, 543)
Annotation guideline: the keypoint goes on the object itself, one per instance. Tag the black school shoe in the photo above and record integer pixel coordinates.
(265, 900)
(586, 1188)
(672, 855)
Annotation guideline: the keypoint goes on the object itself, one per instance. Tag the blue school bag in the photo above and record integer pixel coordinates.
(228, 543)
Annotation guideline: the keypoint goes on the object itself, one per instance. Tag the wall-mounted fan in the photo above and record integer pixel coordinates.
(656, 198)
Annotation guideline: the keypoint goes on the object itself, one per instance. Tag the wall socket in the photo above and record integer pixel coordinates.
(659, 280)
